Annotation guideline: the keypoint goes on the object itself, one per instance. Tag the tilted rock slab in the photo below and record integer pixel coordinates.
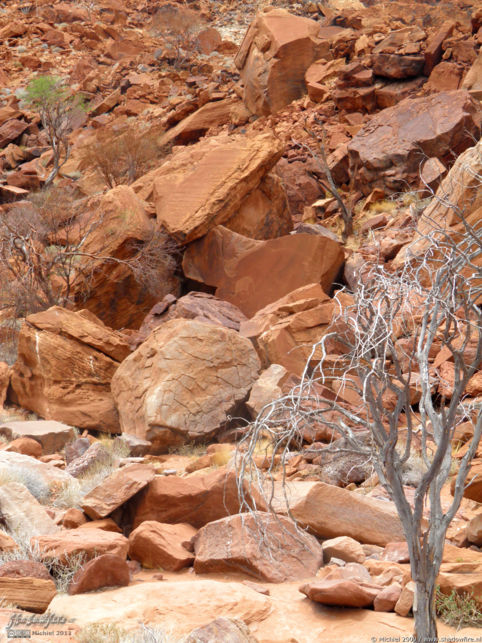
(22, 514)
(65, 363)
(330, 511)
(116, 489)
(183, 382)
(252, 274)
(205, 184)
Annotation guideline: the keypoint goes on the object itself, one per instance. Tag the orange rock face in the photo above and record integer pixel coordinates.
(252, 274)
(114, 292)
(156, 544)
(276, 52)
(346, 593)
(265, 546)
(204, 185)
(76, 542)
(285, 331)
(65, 363)
(107, 570)
(183, 382)
(330, 512)
(196, 500)
(116, 489)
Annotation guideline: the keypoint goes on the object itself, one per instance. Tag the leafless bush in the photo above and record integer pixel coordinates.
(179, 28)
(121, 156)
(46, 255)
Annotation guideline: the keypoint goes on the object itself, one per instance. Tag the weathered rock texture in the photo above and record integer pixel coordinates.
(284, 331)
(276, 51)
(65, 363)
(260, 544)
(330, 511)
(252, 274)
(388, 150)
(61, 547)
(207, 184)
(156, 544)
(183, 382)
(115, 293)
(116, 489)
(196, 500)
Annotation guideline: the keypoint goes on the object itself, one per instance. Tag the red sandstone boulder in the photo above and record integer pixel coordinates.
(330, 511)
(344, 593)
(118, 224)
(196, 500)
(183, 382)
(215, 181)
(239, 267)
(156, 544)
(284, 331)
(276, 51)
(65, 363)
(116, 489)
(75, 542)
(387, 151)
(260, 544)
(31, 594)
(107, 570)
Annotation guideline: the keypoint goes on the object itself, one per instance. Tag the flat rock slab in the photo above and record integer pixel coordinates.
(117, 489)
(76, 542)
(52, 435)
(251, 273)
(180, 605)
(32, 594)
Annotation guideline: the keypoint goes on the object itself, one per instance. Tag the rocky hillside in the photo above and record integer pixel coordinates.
(192, 194)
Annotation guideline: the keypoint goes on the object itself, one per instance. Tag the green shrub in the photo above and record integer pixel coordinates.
(458, 610)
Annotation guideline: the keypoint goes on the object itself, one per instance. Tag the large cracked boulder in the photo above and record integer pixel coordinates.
(183, 382)
(276, 51)
(65, 363)
(389, 149)
(252, 274)
(265, 546)
(219, 179)
(196, 500)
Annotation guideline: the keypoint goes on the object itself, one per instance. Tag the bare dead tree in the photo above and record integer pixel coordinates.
(318, 152)
(384, 344)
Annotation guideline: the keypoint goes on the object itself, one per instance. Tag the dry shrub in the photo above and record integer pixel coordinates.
(121, 155)
(179, 27)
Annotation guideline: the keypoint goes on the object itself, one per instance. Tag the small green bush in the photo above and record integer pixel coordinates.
(458, 610)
